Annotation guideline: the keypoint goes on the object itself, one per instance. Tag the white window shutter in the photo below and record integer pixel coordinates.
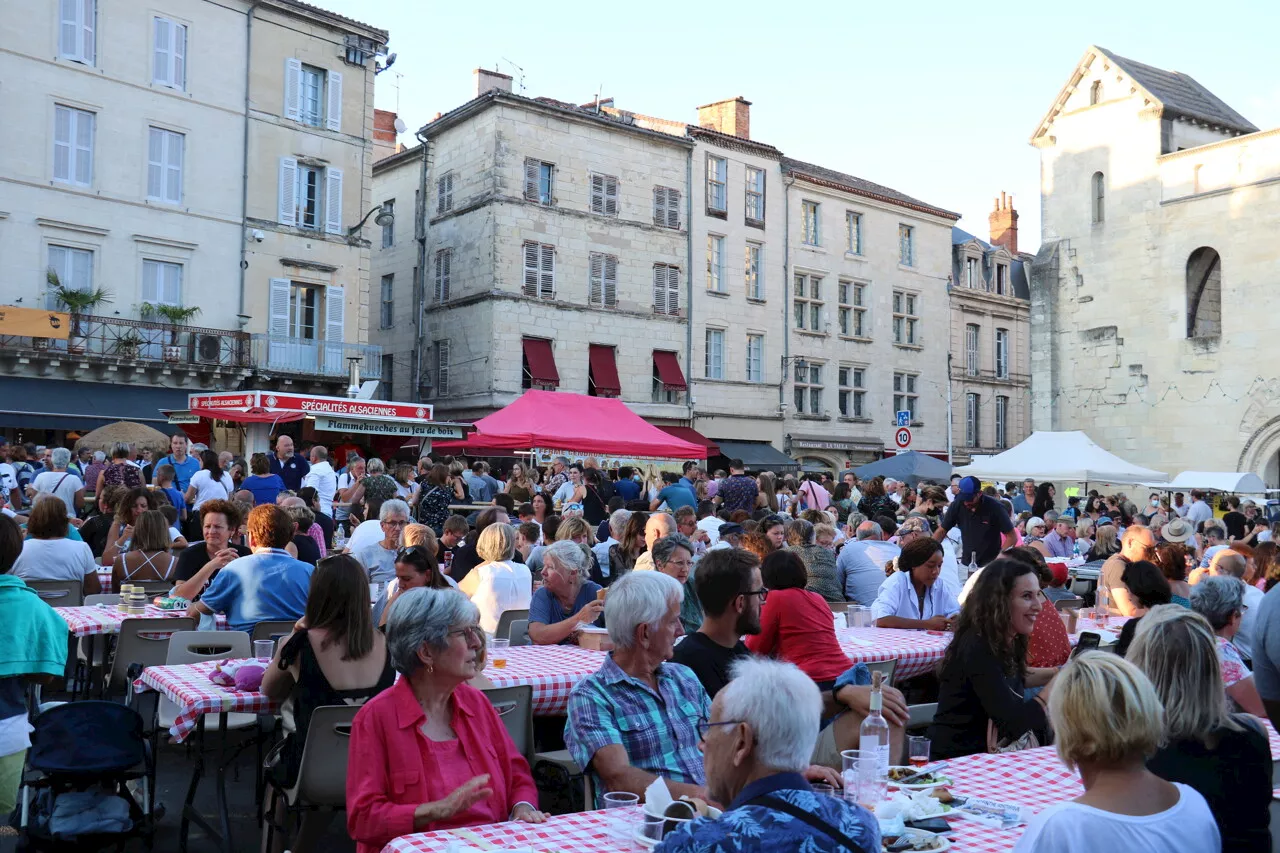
(530, 269)
(335, 306)
(531, 180)
(69, 28)
(151, 281)
(611, 196)
(88, 23)
(659, 205)
(173, 167)
(278, 307)
(288, 195)
(160, 55)
(293, 89)
(673, 290)
(610, 280)
(63, 155)
(548, 279)
(659, 289)
(596, 284)
(442, 368)
(597, 193)
(673, 208)
(333, 115)
(155, 163)
(179, 57)
(333, 201)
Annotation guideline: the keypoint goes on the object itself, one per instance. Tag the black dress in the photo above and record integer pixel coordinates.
(312, 691)
(1234, 778)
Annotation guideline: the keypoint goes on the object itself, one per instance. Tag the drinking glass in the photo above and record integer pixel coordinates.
(264, 650)
(824, 789)
(918, 751)
(498, 652)
(863, 783)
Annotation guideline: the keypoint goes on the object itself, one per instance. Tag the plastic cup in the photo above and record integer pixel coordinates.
(621, 825)
(863, 783)
(498, 652)
(825, 790)
(264, 649)
(918, 751)
(620, 799)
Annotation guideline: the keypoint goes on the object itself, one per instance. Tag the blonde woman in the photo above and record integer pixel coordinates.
(1084, 535)
(1106, 543)
(1108, 722)
(577, 530)
(149, 557)
(455, 480)
(1222, 755)
(406, 487)
(652, 482)
(767, 494)
(498, 584)
(518, 485)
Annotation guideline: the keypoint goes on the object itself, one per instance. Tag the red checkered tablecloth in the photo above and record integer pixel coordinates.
(100, 619)
(916, 651)
(105, 579)
(552, 671)
(188, 686)
(583, 832)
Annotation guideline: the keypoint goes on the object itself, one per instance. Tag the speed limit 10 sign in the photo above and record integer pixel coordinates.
(902, 437)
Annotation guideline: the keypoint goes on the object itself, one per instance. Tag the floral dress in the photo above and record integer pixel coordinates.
(433, 507)
(1233, 668)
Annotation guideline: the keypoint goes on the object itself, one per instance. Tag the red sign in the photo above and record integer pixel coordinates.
(313, 405)
(233, 400)
(902, 437)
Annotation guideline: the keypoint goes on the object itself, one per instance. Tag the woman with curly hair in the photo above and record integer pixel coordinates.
(757, 543)
(875, 502)
(981, 703)
(1171, 558)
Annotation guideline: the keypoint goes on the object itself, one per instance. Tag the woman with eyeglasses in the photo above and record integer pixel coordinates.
(416, 568)
(434, 752)
(333, 657)
(1220, 600)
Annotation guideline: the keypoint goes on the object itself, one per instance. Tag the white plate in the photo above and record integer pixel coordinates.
(942, 842)
(916, 787)
(649, 843)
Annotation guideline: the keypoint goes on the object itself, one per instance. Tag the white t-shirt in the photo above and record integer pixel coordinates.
(502, 586)
(366, 533)
(209, 489)
(711, 526)
(8, 479)
(54, 560)
(62, 484)
(1188, 827)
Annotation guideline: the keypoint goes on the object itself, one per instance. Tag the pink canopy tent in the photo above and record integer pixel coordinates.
(564, 421)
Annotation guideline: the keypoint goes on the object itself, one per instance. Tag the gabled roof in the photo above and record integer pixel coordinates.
(1178, 94)
(313, 11)
(1017, 269)
(859, 186)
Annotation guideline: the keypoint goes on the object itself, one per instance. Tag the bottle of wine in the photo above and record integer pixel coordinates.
(874, 733)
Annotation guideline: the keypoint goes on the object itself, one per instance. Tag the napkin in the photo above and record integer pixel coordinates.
(914, 806)
(657, 797)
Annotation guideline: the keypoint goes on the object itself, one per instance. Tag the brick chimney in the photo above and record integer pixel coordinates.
(732, 117)
(488, 80)
(384, 134)
(1003, 222)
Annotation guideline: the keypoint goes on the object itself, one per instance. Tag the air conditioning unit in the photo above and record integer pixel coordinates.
(208, 349)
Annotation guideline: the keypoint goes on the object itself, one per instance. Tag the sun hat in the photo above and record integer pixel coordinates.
(1178, 530)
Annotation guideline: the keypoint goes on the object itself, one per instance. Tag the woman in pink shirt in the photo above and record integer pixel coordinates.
(432, 751)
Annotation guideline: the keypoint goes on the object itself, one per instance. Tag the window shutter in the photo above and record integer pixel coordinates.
(335, 306)
(293, 89)
(173, 167)
(333, 201)
(172, 292)
(596, 288)
(659, 205)
(89, 11)
(288, 200)
(611, 196)
(160, 57)
(673, 208)
(530, 269)
(62, 153)
(659, 289)
(278, 307)
(673, 290)
(442, 368)
(69, 28)
(333, 115)
(155, 163)
(548, 278)
(610, 281)
(179, 57)
(444, 259)
(531, 180)
(152, 286)
(597, 193)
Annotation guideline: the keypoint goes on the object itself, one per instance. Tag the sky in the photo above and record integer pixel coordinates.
(934, 100)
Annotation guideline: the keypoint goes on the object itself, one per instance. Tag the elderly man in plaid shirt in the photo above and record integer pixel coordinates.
(637, 717)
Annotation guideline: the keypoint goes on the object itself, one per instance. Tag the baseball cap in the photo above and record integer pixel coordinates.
(730, 528)
(969, 486)
(1059, 570)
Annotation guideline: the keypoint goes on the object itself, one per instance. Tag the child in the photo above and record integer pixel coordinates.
(176, 539)
(164, 478)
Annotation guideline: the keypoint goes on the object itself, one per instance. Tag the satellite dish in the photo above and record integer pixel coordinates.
(367, 389)
(401, 127)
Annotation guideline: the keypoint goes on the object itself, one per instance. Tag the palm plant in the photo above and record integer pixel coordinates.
(77, 303)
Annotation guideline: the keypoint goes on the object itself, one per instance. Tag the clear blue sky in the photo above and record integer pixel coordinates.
(935, 100)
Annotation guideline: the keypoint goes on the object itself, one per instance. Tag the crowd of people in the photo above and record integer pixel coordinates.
(716, 589)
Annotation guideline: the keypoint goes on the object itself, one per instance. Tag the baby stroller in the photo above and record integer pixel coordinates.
(75, 786)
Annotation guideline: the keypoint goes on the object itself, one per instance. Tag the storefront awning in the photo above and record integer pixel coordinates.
(604, 371)
(541, 362)
(59, 404)
(692, 436)
(758, 455)
(669, 373)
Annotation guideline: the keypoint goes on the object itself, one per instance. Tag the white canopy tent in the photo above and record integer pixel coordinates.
(1060, 457)
(1213, 481)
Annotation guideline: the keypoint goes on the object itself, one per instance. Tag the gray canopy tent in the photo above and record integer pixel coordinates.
(910, 467)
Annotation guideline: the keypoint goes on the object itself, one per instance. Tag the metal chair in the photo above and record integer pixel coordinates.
(920, 716)
(272, 630)
(885, 667)
(59, 593)
(563, 759)
(320, 789)
(144, 642)
(520, 632)
(505, 620)
(197, 646)
(515, 706)
(1068, 604)
(1081, 587)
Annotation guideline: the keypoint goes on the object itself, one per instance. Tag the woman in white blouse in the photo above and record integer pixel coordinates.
(913, 597)
(209, 483)
(497, 584)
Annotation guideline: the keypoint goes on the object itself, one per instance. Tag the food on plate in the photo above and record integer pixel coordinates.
(942, 795)
(911, 841)
(699, 805)
(897, 774)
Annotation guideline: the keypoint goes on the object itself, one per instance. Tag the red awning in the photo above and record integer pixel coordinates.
(604, 371)
(692, 436)
(541, 362)
(669, 373)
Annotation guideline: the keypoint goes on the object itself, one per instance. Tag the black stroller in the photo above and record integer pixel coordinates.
(75, 791)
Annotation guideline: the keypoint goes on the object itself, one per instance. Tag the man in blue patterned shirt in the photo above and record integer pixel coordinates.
(637, 717)
(762, 730)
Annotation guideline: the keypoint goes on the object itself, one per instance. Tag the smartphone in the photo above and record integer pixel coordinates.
(932, 824)
(1088, 642)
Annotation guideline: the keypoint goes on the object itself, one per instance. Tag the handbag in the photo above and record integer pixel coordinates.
(996, 744)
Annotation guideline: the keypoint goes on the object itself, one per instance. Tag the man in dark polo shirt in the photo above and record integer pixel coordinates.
(291, 467)
(985, 527)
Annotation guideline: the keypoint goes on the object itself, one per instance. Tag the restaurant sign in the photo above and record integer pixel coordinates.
(408, 429)
(34, 323)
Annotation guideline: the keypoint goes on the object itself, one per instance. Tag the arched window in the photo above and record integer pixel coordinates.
(1099, 197)
(1095, 92)
(1204, 293)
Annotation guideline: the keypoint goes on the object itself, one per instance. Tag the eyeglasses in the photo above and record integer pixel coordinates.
(763, 593)
(395, 523)
(703, 728)
(409, 552)
(471, 632)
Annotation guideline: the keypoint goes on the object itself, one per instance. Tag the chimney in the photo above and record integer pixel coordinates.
(384, 134)
(1003, 222)
(732, 117)
(489, 80)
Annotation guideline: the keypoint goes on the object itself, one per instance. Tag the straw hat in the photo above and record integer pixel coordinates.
(1178, 530)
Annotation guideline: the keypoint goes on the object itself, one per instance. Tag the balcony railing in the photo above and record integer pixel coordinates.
(142, 341)
(282, 354)
(962, 372)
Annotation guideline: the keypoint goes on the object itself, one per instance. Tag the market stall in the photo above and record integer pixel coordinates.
(1228, 482)
(1057, 457)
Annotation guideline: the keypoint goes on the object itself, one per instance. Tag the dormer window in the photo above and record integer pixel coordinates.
(972, 273)
(1002, 279)
(1095, 92)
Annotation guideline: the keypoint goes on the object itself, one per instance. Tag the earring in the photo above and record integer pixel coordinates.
(430, 669)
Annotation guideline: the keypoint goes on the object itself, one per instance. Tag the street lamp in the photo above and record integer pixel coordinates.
(799, 362)
(384, 218)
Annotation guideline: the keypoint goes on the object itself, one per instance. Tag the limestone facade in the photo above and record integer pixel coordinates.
(1150, 293)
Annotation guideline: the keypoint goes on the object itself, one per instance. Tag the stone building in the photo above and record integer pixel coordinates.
(990, 363)
(555, 256)
(190, 154)
(1151, 290)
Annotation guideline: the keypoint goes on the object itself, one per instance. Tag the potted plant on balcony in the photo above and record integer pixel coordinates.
(176, 316)
(77, 303)
(128, 344)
